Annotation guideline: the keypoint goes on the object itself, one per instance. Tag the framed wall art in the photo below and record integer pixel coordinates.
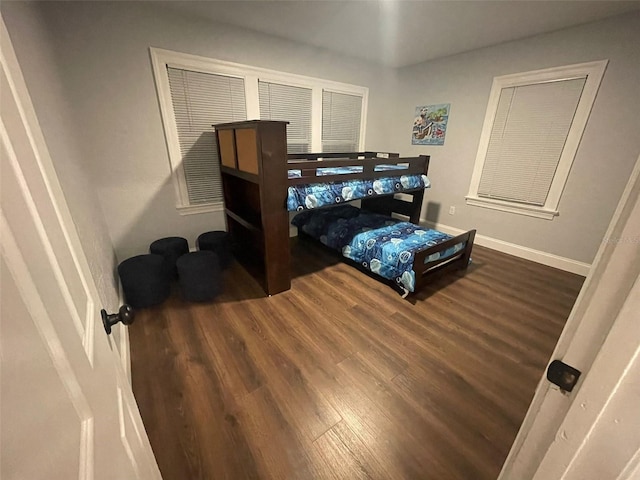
(430, 124)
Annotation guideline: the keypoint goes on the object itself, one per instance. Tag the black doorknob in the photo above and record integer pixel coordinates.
(124, 315)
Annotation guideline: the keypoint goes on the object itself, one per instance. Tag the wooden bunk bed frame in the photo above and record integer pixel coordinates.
(382, 204)
(254, 168)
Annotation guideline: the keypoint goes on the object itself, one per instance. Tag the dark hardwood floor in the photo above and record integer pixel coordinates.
(340, 378)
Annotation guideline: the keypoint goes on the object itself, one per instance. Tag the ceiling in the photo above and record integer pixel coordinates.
(398, 33)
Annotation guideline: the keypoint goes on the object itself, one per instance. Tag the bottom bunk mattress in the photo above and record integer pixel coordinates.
(381, 244)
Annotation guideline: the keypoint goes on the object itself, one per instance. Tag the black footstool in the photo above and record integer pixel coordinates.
(199, 275)
(171, 248)
(145, 281)
(217, 242)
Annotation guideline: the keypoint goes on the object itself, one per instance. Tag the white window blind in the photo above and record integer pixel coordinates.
(291, 104)
(341, 117)
(199, 101)
(527, 138)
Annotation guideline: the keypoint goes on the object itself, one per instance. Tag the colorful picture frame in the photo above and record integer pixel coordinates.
(430, 124)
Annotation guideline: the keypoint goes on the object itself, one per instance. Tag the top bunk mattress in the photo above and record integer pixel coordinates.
(316, 195)
(326, 171)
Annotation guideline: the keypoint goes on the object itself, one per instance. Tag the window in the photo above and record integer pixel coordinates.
(531, 133)
(340, 122)
(200, 100)
(196, 92)
(292, 104)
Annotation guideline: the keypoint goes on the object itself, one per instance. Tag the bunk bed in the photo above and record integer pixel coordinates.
(261, 184)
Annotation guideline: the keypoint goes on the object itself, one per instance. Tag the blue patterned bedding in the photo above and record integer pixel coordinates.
(322, 171)
(316, 195)
(381, 244)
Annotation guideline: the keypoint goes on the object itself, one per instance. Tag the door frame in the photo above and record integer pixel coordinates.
(45, 164)
(611, 278)
(120, 358)
(600, 435)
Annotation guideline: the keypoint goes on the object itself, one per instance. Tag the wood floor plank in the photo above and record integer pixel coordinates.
(343, 455)
(220, 444)
(341, 319)
(443, 455)
(231, 358)
(385, 439)
(285, 322)
(434, 343)
(162, 405)
(466, 354)
(275, 441)
(307, 408)
(340, 378)
(482, 433)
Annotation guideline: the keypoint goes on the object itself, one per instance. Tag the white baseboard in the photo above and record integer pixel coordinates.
(527, 253)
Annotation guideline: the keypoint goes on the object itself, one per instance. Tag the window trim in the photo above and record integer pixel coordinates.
(594, 72)
(161, 58)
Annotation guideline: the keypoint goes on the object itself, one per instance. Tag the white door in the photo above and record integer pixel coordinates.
(594, 431)
(600, 435)
(66, 408)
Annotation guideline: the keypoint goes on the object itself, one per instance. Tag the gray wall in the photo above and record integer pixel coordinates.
(103, 53)
(61, 131)
(608, 151)
(104, 85)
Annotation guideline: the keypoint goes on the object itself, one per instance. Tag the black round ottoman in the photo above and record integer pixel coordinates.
(217, 242)
(145, 281)
(199, 275)
(171, 248)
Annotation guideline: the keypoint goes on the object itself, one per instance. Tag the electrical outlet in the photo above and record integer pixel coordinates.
(452, 210)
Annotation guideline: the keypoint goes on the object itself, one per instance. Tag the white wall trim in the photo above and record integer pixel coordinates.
(549, 259)
(205, 208)
(87, 460)
(125, 346)
(632, 469)
(158, 64)
(223, 67)
(503, 206)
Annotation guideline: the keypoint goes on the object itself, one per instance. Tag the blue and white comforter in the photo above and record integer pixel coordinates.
(325, 171)
(380, 244)
(316, 195)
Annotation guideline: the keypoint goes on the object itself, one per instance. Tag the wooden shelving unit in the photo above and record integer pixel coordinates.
(253, 165)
